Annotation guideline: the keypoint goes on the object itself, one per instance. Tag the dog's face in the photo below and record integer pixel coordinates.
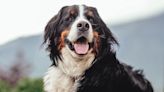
(80, 30)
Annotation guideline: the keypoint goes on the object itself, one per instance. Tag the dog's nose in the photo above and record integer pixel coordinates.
(82, 26)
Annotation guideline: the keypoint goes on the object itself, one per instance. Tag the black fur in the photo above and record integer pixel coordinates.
(106, 74)
(52, 34)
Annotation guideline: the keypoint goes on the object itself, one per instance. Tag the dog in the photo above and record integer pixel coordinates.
(81, 48)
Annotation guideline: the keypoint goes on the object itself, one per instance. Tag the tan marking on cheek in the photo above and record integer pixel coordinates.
(96, 42)
(62, 39)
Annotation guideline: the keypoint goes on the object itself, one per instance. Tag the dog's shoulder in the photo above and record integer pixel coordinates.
(118, 77)
(137, 78)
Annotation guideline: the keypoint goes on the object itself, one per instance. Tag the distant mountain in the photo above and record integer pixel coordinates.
(141, 45)
(33, 51)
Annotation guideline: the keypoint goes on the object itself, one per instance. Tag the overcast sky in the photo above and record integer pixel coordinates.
(29, 17)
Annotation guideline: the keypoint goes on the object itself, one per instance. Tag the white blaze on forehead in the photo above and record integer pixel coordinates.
(81, 11)
(73, 35)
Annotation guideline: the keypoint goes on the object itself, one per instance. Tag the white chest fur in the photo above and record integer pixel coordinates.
(60, 78)
(56, 81)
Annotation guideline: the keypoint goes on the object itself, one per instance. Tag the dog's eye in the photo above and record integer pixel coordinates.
(90, 19)
(69, 19)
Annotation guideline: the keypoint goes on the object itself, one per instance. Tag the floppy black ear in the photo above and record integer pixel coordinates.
(106, 37)
(52, 26)
(51, 36)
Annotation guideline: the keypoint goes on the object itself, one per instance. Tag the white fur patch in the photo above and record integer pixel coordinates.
(57, 81)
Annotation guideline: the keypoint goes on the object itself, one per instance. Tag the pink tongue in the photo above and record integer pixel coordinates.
(81, 48)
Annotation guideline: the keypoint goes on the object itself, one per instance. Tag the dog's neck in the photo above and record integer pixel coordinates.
(74, 67)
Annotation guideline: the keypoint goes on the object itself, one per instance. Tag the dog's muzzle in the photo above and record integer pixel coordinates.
(81, 46)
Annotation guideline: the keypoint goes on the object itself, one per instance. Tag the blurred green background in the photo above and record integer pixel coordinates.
(24, 85)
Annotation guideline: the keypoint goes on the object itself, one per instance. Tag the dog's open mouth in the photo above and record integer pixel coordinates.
(81, 46)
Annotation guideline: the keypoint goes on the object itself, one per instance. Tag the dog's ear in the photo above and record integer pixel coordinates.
(106, 37)
(52, 26)
(51, 36)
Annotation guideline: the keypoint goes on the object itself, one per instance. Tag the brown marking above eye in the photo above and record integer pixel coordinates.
(71, 13)
(72, 10)
(89, 13)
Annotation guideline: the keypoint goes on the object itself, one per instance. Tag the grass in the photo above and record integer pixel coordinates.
(24, 85)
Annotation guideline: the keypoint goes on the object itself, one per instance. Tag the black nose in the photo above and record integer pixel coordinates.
(82, 26)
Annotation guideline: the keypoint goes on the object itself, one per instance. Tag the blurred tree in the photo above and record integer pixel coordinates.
(15, 78)
(18, 70)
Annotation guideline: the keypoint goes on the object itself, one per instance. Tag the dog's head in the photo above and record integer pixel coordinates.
(80, 30)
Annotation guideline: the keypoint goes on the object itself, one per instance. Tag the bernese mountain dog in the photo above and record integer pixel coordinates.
(80, 46)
